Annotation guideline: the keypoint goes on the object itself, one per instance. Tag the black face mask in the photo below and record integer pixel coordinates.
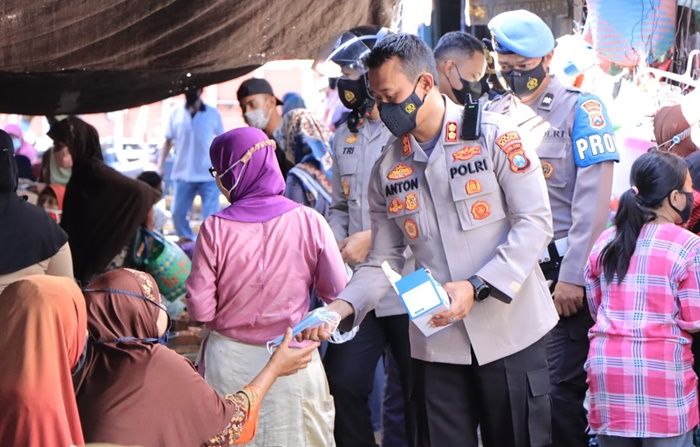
(400, 118)
(469, 88)
(687, 209)
(191, 97)
(353, 92)
(524, 83)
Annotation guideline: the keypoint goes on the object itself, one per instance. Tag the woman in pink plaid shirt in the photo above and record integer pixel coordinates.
(643, 284)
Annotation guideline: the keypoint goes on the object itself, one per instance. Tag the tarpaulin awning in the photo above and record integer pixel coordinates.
(87, 56)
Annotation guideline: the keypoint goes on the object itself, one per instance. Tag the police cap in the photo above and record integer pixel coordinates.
(521, 32)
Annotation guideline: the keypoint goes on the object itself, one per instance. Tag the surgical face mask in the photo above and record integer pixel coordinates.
(473, 89)
(163, 339)
(687, 209)
(258, 118)
(313, 319)
(16, 142)
(524, 83)
(400, 118)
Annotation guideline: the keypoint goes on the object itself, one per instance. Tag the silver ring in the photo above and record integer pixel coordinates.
(452, 319)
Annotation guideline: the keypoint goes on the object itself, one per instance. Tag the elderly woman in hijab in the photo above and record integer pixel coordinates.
(254, 265)
(129, 377)
(306, 145)
(102, 209)
(44, 328)
(31, 243)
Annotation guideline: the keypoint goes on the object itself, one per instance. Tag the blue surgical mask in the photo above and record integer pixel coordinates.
(163, 339)
(313, 319)
(16, 142)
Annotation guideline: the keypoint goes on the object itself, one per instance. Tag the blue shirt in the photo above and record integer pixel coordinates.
(191, 137)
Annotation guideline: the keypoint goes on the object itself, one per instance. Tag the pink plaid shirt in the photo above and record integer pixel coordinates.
(639, 366)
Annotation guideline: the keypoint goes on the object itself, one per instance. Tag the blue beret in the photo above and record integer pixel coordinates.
(521, 32)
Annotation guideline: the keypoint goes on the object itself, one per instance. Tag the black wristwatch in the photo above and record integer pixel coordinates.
(481, 289)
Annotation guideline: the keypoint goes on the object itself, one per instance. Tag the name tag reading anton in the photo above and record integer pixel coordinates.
(421, 295)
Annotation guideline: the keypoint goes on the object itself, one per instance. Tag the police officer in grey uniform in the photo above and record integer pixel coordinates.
(461, 65)
(575, 142)
(357, 145)
(475, 213)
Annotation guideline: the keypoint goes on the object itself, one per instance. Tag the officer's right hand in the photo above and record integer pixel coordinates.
(462, 295)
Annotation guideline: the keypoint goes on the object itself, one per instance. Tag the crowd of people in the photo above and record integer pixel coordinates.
(558, 331)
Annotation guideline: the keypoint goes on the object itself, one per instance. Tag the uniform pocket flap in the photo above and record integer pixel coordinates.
(552, 150)
(347, 165)
(538, 380)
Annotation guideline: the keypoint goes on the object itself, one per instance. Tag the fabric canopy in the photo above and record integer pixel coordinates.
(86, 56)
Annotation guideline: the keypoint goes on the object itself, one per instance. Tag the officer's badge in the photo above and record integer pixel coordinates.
(349, 96)
(406, 148)
(532, 84)
(399, 172)
(473, 186)
(481, 210)
(547, 169)
(411, 201)
(351, 139)
(518, 161)
(395, 206)
(466, 153)
(410, 108)
(345, 183)
(411, 229)
(451, 131)
(595, 113)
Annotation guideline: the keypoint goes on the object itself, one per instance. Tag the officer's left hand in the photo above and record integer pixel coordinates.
(356, 248)
(462, 295)
(568, 298)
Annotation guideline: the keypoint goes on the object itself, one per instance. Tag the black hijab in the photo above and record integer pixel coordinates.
(102, 208)
(27, 234)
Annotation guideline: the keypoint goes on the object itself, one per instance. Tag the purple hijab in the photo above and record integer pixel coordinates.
(258, 196)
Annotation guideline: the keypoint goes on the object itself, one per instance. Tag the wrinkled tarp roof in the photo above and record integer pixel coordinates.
(87, 56)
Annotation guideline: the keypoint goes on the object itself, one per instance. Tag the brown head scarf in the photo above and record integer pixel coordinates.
(139, 392)
(43, 335)
(668, 122)
(297, 124)
(102, 209)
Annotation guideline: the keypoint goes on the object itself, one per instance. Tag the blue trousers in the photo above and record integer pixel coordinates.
(182, 204)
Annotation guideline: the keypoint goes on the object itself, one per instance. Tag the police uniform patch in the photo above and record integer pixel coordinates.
(504, 140)
(345, 183)
(547, 169)
(546, 103)
(351, 139)
(532, 84)
(395, 206)
(473, 186)
(406, 146)
(349, 96)
(466, 153)
(399, 172)
(518, 161)
(481, 210)
(411, 201)
(411, 229)
(595, 113)
(451, 131)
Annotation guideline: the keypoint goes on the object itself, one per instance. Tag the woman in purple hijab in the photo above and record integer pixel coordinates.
(254, 265)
